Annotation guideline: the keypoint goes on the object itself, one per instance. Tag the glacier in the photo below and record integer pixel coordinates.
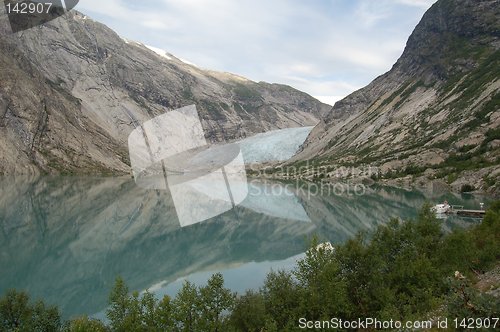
(275, 145)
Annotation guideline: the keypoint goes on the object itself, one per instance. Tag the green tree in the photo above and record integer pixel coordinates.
(15, 310)
(249, 312)
(487, 239)
(119, 302)
(463, 300)
(138, 313)
(323, 292)
(493, 214)
(396, 274)
(155, 315)
(133, 320)
(215, 302)
(186, 313)
(164, 314)
(281, 298)
(361, 271)
(45, 318)
(18, 314)
(406, 252)
(86, 324)
(149, 311)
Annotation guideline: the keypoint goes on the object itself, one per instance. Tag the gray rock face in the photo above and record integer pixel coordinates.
(72, 89)
(440, 99)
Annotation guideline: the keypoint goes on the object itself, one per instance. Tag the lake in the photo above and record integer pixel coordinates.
(66, 239)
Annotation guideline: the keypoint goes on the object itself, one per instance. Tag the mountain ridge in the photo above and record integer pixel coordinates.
(434, 114)
(72, 90)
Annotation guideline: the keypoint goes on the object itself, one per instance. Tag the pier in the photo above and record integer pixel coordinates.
(460, 211)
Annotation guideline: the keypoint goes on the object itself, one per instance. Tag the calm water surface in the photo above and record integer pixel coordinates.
(66, 239)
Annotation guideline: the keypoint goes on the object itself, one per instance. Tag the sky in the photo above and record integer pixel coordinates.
(327, 48)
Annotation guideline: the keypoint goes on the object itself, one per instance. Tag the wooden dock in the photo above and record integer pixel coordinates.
(471, 213)
(460, 211)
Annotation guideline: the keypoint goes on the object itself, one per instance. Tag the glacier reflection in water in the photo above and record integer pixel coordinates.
(65, 239)
(170, 152)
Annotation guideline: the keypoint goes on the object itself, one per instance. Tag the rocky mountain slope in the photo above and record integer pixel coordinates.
(435, 114)
(72, 90)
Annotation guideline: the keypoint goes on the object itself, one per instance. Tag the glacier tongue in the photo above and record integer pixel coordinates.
(275, 145)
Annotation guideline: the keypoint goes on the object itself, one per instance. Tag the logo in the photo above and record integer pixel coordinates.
(25, 14)
(169, 152)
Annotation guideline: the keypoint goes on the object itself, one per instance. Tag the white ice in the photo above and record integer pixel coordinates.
(276, 145)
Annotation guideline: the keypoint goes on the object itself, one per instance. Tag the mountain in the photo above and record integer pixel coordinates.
(435, 114)
(72, 90)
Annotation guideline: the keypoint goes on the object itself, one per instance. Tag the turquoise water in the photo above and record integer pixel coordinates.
(65, 239)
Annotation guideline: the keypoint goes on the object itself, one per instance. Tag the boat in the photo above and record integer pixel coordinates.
(441, 208)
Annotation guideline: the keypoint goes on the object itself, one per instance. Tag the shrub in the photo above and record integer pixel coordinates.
(464, 300)
(467, 188)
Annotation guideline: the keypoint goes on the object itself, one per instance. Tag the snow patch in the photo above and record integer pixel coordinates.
(129, 41)
(188, 62)
(160, 52)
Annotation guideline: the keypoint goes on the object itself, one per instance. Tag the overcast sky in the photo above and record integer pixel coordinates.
(327, 48)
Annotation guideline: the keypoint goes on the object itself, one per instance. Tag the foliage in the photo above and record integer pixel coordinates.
(409, 170)
(213, 302)
(466, 301)
(281, 299)
(185, 307)
(138, 313)
(319, 277)
(467, 188)
(85, 324)
(246, 93)
(394, 275)
(17, 313)
(249, 312)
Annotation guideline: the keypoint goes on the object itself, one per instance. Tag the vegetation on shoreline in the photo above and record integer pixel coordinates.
(405, 271)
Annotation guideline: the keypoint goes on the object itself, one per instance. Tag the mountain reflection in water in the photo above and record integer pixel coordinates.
(66, 239)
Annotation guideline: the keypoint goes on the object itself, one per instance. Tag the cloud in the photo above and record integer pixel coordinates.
(322, 87)
(370, 13)
(326, 48)
(330, 100)
(110, 8)
(417, 3)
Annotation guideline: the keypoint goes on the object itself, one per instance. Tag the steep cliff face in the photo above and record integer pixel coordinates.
(72, 90)
(435, 112)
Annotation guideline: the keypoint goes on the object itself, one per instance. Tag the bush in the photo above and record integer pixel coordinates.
(464, 300)
(451, 178)
(467, 188)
